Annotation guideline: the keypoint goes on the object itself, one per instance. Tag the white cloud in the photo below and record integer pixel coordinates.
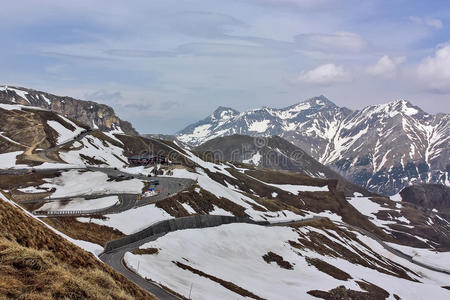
(325, 74)
(432, 22)
(385, 67)
(345, 41)
(434, 71)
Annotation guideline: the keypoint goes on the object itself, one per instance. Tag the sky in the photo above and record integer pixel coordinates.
(165, 64)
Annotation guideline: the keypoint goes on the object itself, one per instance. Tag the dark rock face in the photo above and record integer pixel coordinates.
(273, 153)
(90, 113)
(381, 147)
(427, 195)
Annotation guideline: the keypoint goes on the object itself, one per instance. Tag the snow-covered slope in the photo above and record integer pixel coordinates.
(382, 147)
(233, 261)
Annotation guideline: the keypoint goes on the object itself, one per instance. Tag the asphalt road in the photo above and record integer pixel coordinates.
(169, 186)
(115, 260)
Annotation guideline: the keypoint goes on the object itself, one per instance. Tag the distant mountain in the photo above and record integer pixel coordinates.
(95, 115)
(274, 153)
(382, 147)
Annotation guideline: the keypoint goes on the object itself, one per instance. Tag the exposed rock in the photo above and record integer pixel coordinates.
(427, 195)
(95, 115)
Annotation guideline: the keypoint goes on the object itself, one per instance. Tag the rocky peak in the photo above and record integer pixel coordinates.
(93, 114)
(224, 113)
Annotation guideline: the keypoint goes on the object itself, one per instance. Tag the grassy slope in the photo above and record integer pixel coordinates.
(36, 263)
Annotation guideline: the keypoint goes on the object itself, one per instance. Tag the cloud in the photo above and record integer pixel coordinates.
(432, 22)
(434, 71)
(342, 41)
(103, 95)
(325, 74)
(386, 67)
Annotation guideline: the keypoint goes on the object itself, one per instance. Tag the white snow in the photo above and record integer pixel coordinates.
(76, 183)
(429, 257)
(255, 159)
(8, 160)
(234, 253)
(259, 126)
(369, 208)
(95, 148)
(46, 99)
(295, 188)
(132, 220)
(81, 204)
(64, 134)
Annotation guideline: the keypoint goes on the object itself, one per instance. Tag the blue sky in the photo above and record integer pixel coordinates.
(165, 64)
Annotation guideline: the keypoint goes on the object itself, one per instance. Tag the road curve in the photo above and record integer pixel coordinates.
(169, 186)
(114, 257)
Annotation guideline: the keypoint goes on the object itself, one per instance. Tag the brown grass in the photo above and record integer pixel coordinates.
(145, 251)
(90, 232)
(341, 292)
(322, 245)
(36, 263)
(328, 269)
(273, 257)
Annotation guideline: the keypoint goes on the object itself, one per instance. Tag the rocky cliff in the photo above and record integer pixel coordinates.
(97, 116)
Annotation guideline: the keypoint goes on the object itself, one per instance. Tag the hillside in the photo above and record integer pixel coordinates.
(92, 114)
(38, 263)
(273, 153)
(382, 147)
(428, 196)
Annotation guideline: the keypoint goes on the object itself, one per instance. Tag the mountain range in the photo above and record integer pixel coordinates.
(381, 147)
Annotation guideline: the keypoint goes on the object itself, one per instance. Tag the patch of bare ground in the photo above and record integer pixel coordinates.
(285, 177)
(90, 160)
(226, 284)
(273, 257)
(90, 232)
(446, 287)
(145, 251)
(328, 269)
(202, 203)
(36, 263)
(323, 245)
(341, 292)
(418, 224)
(138, 145)
(11, 182)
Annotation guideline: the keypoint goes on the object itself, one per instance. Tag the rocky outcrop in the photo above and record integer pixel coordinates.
(95, 115)
(431, 196)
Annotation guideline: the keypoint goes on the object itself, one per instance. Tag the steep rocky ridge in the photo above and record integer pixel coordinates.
(97, 116)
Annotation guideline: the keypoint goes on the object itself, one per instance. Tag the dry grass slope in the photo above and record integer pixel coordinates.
(36, 263)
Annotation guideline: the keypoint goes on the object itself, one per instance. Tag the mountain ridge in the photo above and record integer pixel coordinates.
(382, 147)
(91, 113)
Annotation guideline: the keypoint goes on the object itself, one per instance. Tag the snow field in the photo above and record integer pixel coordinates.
(76, 182)
(238, 250)
(81, 204)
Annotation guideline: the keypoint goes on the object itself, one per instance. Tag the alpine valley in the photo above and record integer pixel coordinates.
(381, 147)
